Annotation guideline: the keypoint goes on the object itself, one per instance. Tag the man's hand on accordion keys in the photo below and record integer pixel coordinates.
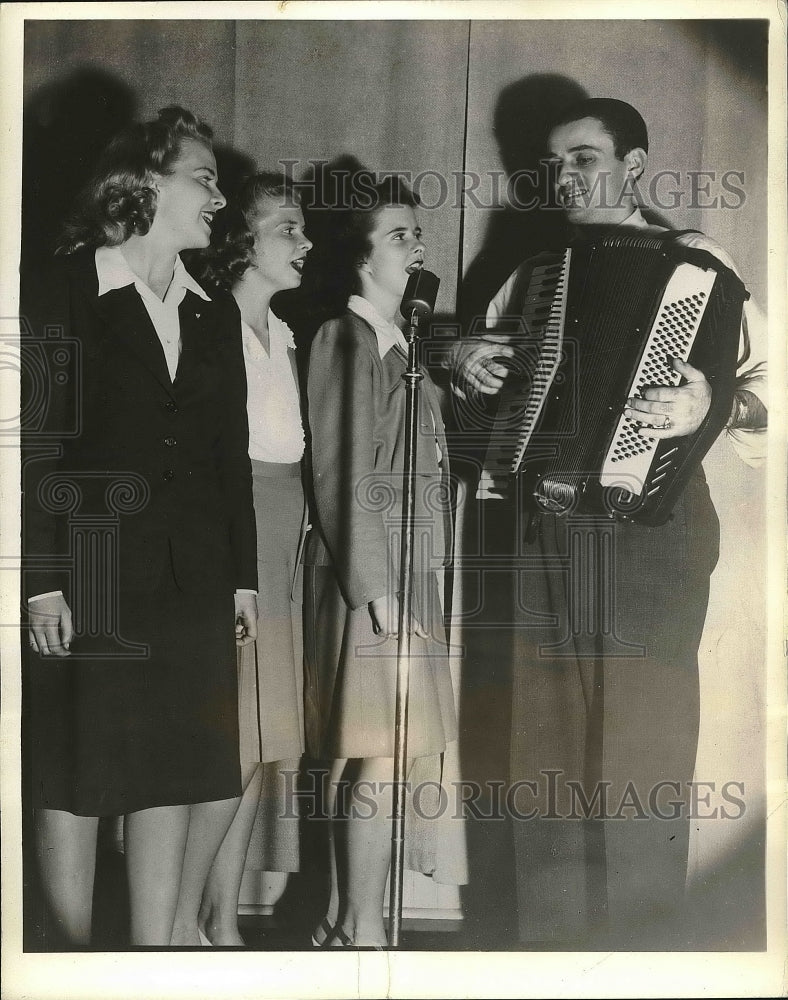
(668, 411)
(476, 364)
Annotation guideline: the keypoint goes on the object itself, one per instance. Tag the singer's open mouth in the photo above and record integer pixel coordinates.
(417, 265)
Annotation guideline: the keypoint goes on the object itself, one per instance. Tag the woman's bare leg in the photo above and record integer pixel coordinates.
(330, 803)
(66, 852)
(155, 842)
(207, 827)
(218, 914)
(365, 852)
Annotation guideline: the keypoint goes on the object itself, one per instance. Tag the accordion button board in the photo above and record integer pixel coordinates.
(628, 459)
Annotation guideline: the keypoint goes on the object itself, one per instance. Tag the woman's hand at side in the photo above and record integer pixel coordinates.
(51, 628)
(245, 619)
(384, 612)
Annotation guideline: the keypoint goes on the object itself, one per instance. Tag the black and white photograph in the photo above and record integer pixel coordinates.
(393, 505)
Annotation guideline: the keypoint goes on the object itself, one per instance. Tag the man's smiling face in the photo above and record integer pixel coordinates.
(593, 185)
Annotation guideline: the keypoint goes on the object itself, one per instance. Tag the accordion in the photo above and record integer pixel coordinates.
(600, 322)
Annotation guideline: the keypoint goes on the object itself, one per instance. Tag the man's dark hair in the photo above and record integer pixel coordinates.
(620, 120)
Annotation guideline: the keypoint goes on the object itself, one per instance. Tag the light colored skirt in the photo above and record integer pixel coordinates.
(351, 675)
(350, 707)
(270, 671)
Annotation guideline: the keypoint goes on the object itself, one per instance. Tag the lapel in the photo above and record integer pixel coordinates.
(427, 391)
(399, 360)
(430, 400)
(127, 319)
(192, 312)
(291, 355)
(123, 315)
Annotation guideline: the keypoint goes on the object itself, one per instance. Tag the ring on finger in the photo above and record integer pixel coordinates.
(667, 425)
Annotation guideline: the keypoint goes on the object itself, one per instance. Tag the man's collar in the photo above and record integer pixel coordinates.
(635, 220)
(593, 230)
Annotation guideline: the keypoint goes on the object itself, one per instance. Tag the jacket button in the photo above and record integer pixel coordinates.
(170, 442)
(167, 475)
(171, 406)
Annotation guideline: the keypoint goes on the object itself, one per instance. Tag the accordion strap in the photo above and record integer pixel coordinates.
(674, 234)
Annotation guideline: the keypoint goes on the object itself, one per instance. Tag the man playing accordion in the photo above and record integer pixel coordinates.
(605, 704)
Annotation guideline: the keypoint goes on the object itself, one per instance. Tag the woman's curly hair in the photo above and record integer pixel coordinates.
(231, 252)
(350, 222)
(120, 201)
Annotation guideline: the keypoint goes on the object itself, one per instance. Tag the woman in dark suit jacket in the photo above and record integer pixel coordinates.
(356, 399)
(139, 538)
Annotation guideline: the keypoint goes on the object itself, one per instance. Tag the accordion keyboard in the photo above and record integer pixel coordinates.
(544, 311)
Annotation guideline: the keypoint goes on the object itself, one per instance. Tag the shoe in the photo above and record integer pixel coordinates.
(340, 936)
(326, 928)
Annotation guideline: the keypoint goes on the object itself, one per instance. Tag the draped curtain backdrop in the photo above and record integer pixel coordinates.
(436, 98)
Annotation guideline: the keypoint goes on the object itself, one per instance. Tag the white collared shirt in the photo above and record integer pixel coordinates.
(276, 433)
(388, 334)
(113, 272)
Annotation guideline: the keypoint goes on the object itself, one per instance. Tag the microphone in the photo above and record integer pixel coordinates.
(420, 294)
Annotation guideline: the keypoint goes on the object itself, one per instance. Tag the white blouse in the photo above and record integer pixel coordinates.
(276, 433)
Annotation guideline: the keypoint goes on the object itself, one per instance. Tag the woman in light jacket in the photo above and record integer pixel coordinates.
(356, 404)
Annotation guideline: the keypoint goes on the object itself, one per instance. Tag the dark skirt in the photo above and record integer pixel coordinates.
(154, 723)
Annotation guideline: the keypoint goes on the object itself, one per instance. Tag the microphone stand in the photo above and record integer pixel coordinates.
(412, 376)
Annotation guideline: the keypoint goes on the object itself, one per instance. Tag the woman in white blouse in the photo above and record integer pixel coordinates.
(259, 250)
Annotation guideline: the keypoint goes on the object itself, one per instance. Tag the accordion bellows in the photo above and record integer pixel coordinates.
(599, 323)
